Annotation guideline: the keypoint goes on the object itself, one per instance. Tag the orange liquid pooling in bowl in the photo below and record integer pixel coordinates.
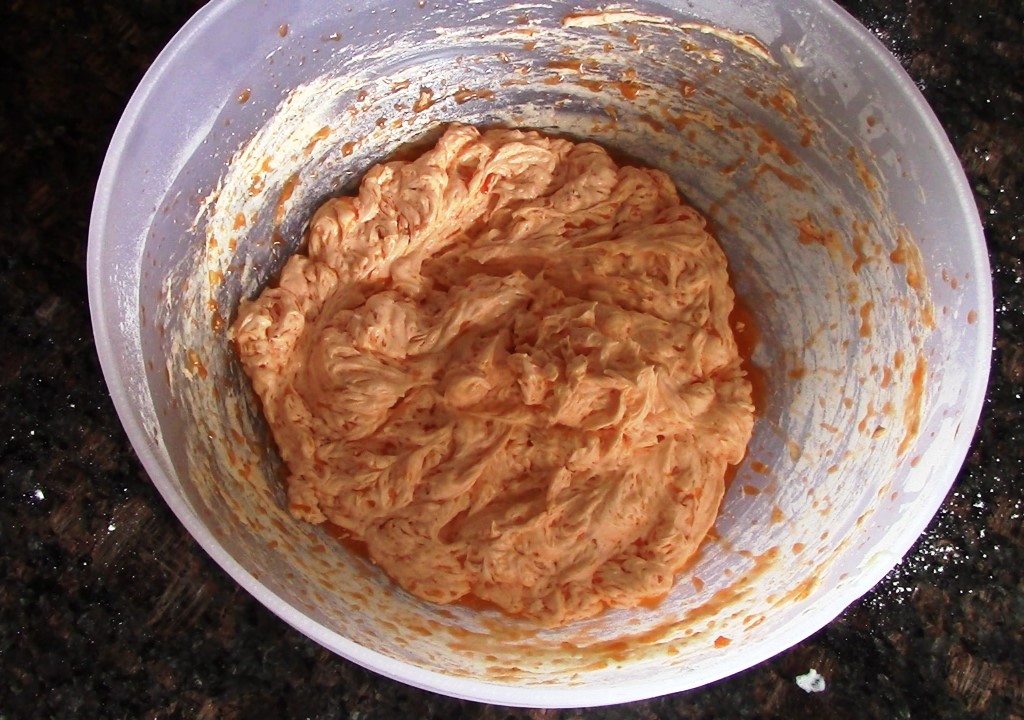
(342, 536)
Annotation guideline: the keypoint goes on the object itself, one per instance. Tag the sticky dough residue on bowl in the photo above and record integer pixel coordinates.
(834, 285)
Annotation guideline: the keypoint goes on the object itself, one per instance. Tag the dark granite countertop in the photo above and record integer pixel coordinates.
(108, 608)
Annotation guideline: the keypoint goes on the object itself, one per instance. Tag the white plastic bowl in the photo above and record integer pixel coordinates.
(849, 227)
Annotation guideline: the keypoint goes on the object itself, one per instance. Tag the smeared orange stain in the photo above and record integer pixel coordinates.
(320, 134)
(799, 593)
(787, 178)
(862, 426)
(905, 254)
(424, 101)
(195, 364)
(860, 257)
(628, 90)
(865, 319)
(733, 166)
(794, 450)
(654, 124)
(573, 65)
(912, 407)
(286, 194)
(771, 144)
(679, 122)
(866, 178)
(886, 378)
(463, 95)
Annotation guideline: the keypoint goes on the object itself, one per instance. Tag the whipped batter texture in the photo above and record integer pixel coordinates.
(507, 368)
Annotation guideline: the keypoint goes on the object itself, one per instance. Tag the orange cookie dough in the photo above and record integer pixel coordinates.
(507, 367)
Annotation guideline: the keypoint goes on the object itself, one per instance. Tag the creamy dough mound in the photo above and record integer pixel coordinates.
(507, 367)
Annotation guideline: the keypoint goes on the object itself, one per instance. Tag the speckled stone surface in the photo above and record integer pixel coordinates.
(109, 609)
